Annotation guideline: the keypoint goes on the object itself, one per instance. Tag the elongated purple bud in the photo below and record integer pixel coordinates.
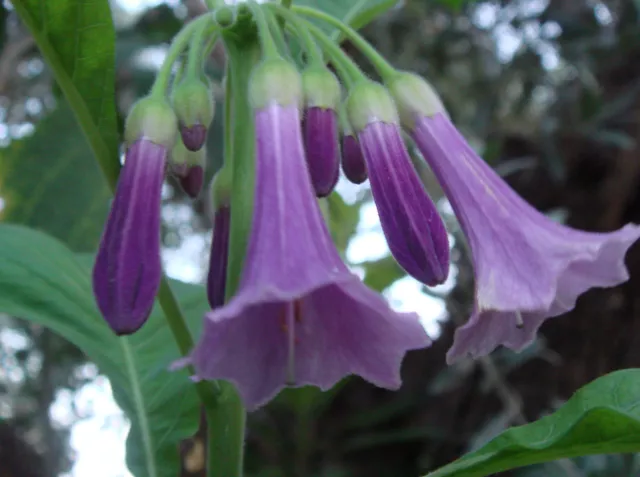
(353, 164)
(218, 258)
(414, 231)
(322, 149)
(127, 272)
(321, 95)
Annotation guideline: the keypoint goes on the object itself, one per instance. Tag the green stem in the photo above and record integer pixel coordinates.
(269, 47)
(178, 45)
(196, 50)
(276, 30)
(226, 419)
(314, 53)
(286, 3)
(382, 66)
(225, 434)
(207, 390)
(346, 68)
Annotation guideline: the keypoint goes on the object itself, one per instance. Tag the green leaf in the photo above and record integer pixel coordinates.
(43, 281)
(77, 40)
(601, 418)
(357, 13)
(50, 182)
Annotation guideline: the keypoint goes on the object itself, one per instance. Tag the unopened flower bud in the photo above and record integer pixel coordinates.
(414, 97)
(151, 119)
(218, 258)
(188, 166)
(415, 232)
(193, 103)
(321, 91)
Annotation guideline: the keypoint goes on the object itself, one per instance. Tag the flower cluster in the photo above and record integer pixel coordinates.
(298, 315)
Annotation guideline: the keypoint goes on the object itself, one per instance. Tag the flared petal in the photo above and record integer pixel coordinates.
(127, 272)
(527, 267)
(412, 226)
(299, 317)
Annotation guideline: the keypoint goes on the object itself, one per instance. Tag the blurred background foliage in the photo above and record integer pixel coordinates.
(547, 90)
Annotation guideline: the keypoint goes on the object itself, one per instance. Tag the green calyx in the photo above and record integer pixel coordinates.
(275, 81)
(370, 102)
(321, 88)
(221, 188)
(154, 119)
(414, 97)
(180, 155)
(193, 102)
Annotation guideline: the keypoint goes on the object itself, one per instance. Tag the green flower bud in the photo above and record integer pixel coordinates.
(370, 102)
(193, 103)
(321, 88)
(275, 81)
(414, 97)
(153, 119)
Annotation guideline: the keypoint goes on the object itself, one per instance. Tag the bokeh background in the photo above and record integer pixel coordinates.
(547, 90)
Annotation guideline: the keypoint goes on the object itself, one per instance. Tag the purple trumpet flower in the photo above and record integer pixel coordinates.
(528, 268)
(414, 231)
(299, 316)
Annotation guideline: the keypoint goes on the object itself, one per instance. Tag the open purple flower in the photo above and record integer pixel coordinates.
(299, 316)
(528, 268)
(127, 272)
(414, 231)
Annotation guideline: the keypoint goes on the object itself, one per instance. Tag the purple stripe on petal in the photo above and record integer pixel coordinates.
(414, 230)
(127, 272)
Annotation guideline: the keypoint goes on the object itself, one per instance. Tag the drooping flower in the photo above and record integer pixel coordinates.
(321, 93)
(414, 231)
(218, 258)
(528, 268)
(193, 103)
(127, 272)
(299, 316)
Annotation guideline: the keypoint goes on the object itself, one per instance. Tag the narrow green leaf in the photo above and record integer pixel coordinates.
(43, 281)
(77, 40)
(601, 418)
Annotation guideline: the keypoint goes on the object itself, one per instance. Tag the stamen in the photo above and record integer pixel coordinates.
(519, 321)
